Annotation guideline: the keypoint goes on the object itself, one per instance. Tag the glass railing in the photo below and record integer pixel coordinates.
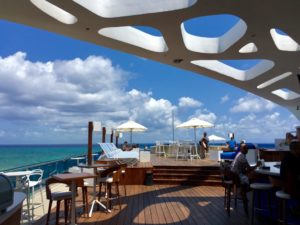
(53, 167)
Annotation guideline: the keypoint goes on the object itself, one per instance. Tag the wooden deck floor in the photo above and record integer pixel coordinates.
(166, 204)
(171, 161)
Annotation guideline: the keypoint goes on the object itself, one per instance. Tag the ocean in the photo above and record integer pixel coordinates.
(13, 156)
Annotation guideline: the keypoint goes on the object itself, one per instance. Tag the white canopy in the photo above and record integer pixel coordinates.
(195, 123)
(131, 126)
(215, 138)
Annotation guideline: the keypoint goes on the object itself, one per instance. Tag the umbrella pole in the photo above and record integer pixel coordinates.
(131, 136)
(195, 135)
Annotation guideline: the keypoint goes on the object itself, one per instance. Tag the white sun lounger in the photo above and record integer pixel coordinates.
(110, 151)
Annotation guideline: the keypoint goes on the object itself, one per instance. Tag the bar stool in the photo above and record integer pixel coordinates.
(109, 177)
(258, 188)
(123, 172)
(228, 185)
(65, 196)
(30, 183)
(283, 199)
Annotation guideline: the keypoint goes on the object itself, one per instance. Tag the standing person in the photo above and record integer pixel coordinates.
(203, 145)
(231, 144)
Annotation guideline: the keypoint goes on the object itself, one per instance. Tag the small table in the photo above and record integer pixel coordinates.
(96, 170)
(73, 177)
(78, 158)
(18, 175)
(273, 171)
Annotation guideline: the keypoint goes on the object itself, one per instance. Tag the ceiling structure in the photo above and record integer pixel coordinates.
(264, 37)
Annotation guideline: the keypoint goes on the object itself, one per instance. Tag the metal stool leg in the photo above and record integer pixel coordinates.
(252, 210)
(42, 199)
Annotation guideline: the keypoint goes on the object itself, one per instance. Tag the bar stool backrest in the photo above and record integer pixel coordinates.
(49, 182)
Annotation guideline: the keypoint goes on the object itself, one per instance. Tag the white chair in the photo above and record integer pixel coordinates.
(173, 148)
(194, 151)
(30, 182)
(160, 149)
(182, 151)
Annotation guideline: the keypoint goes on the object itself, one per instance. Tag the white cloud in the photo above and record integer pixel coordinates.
(185, 102)
(224, 99)
(251, 103)
(256, 128)
(52, 102)
(62, 96)
(205, 115)
(2, 133)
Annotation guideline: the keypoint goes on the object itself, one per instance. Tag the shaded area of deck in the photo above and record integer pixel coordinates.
(166, 204)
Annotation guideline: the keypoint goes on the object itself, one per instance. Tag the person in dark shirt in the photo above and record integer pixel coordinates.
(203, 145)
(290, 170)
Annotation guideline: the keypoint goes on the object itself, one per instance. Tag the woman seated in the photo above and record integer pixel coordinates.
(231, 144)
(126, 146)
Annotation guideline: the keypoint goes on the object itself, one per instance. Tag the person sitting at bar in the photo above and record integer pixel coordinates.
(242, 172)
(241, 166)
(126, 146)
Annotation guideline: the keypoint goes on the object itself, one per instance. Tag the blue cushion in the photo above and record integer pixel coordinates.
(231, 155)
(228, 155)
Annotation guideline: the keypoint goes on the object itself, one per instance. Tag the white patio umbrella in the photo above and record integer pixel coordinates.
(215, 138)
(195, 123)
(131, 126)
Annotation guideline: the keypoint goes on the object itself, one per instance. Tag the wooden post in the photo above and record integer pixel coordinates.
(90, 142)
(117, 140)
(112, 137)
(103, 134)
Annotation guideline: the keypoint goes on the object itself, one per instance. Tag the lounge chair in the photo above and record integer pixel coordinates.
(110, 151)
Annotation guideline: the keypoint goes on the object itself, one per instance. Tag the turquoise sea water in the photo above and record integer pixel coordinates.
(22, 155)
(12, 156)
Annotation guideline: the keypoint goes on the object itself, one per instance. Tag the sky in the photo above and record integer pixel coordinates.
(51, 86)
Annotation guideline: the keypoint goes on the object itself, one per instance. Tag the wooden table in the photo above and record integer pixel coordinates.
(273, 171)
(96, 171)
(73, 177)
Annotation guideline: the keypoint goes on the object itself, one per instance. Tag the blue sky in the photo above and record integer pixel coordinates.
(52, 85)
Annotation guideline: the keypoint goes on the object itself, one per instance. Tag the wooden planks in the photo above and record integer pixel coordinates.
(167, 204)
(136, 175)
